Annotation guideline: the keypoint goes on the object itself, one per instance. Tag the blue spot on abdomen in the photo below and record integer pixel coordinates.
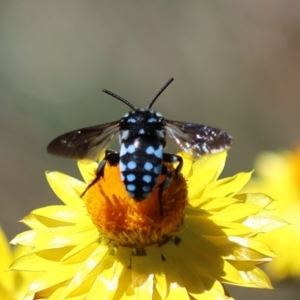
(148, 166)
(146, 188)
(131, 187)
(131, 177)
(131, 165)
(147, 178)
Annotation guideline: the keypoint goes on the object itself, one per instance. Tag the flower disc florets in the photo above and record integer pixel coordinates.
(130, 222)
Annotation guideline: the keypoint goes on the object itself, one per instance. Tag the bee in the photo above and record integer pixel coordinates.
(142, 138)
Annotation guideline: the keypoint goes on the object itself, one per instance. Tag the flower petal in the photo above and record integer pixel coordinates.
(260, 199)
(213, 289)
(238, 248)
(7, 279)
(154, 256)
(252, 276)
(212, 165)
(226, 187)
(187, 164)
(142, 277)
(108, 281)
(63, 215)
(236, 212)
(31, 262)
(51, 278)
(6, 255)
(26, 238)
(176, 287)
(186, 271)
(83, 248)
(87, 169)
(213, 204)
(264, 222)
(89, 266)
(66, 188)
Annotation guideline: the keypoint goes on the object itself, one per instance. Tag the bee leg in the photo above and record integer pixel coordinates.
(112, 157)
(162, 186)
(99, 174)
(172, 158)
(168, 158)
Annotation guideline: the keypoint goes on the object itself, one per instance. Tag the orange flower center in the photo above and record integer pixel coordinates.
(135, 223)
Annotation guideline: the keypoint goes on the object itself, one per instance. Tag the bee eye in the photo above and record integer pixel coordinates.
(161, 121)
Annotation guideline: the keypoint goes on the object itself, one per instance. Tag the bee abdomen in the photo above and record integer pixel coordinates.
(140, 165)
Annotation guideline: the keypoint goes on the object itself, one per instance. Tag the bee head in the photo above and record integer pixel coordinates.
(142, 122)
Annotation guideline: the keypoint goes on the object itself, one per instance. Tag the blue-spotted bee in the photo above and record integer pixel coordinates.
(142, 137)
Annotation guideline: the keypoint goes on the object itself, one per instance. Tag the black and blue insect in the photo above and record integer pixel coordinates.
(142, 137)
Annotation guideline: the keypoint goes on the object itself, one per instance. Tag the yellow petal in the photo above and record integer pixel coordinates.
(61, 214)
(187, 164)
(92, 265)
(142, 277)
(206, 227)
(87, 170)
(210, 259)
(257, 250)
(157, 266)
(213, 204)
(51, 278)
(98, 288)
(238, 248)
(176, 287)
(124, 290)
(66, 188)
(252, 276)
(6, 293)
(59, 294)
(180, 263)
(226, 187)
(108, 281)
(32, 222)
(205, 170)
(264, 222)
(236, 212)
(59, 238)
(30, 262)
(82, 249)
(6, 279)
(260, 199)
(26, 238)
(212, 289)
(211, 165)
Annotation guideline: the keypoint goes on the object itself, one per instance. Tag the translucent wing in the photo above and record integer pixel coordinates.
(86, 143)
(198, 139)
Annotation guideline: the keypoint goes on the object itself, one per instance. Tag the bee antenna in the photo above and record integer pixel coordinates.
(159, 92)
(119, 98)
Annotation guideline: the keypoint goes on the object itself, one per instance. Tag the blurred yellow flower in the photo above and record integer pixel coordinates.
(107, 245)
(278, 175)
(13, 285)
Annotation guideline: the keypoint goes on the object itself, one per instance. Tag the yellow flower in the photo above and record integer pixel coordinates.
(13, 285)
(107, 245)
(278, 174)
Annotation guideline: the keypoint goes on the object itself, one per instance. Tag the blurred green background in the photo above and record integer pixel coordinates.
(236, 66)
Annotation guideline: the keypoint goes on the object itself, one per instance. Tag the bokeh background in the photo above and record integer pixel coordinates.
(236, 66)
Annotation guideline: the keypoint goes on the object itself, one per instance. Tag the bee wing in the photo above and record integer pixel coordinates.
(86, 143)
(198, 139)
